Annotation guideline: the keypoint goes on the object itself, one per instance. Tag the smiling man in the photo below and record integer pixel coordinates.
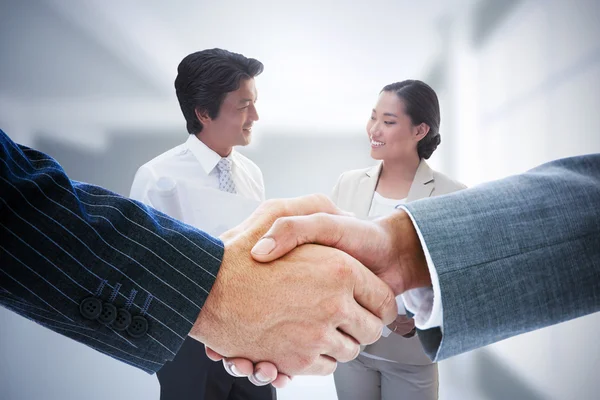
(217, 95)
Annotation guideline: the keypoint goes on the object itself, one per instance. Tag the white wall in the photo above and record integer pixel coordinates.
(533, 91)
(525, 93)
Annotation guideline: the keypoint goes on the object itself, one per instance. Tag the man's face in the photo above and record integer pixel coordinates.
(233, 126)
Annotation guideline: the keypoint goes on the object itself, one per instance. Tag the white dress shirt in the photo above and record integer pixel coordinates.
(381, 207)
(184, 183)
(425, 303)
(194, 163)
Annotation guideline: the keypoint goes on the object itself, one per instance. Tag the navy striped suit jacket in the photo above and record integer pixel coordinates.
(64, 241)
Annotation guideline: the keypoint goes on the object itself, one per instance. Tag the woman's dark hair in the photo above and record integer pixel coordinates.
(205, 77)
(422, 106)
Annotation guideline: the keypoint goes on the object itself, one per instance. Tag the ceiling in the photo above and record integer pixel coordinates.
(107, 66)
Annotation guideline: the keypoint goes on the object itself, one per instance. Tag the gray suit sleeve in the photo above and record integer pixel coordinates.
(514, 255)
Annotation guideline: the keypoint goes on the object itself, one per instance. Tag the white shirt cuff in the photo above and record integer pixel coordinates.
(425, 303)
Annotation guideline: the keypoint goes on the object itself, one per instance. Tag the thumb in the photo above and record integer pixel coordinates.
(287, 233)
(361, 239)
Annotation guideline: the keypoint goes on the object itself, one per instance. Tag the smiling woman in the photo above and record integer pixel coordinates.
(407, 114)
(403, 131)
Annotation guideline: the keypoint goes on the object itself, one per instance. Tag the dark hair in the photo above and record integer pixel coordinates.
(422, 106)
(205, 77)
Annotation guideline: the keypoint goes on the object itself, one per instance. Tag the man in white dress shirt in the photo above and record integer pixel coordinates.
(217, 95)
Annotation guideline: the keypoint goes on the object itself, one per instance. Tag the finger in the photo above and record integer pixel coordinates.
(213, 355)
(281, 381)
(290, 232)
(311, 204)
(234, 366)
(270, 210)
(408, 323)
(404, 318)
(238, 367)
(264, 373)
(343, 347)
(363, 326)
(404, 327)
(374, 294)
(324, 365)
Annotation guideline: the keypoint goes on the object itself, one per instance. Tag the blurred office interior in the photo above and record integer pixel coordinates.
(91, 83)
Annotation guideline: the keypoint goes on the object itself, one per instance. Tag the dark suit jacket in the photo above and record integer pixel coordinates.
(99, 268)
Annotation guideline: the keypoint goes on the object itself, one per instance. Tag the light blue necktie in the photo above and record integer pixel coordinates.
(225, 178)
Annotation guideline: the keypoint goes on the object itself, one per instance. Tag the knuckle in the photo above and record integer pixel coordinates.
(322, 219)
(338, 310)
(305, 362)
(270, 205)
(327, 369)
(348, 351)
(329, 203)
(356, 352)
(374, 333)
(386, 309)
(341, 268)
(284, 224)
(321, 198)
(276, 207)
(331, 368)
(321, 335)
(328, 229)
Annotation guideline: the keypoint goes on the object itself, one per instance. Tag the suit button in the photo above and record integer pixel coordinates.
(90, 308)
(138, 327)
(108, 314)
(122, 320)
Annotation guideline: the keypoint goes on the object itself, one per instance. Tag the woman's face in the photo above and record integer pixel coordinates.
(390, 129)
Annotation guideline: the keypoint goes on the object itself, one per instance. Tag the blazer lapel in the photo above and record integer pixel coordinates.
(423, 183)
(364, 192)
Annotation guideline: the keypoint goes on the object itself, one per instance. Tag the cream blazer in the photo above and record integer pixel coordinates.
(354, 192)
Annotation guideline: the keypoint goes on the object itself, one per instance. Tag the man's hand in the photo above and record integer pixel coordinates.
(402, 325)
(301, 312)
(388, 246)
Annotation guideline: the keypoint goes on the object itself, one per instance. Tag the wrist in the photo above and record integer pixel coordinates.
(408, 268)
(207, 319)
(212, 316)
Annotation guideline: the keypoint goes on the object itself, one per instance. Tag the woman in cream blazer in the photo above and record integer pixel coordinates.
(403, 132)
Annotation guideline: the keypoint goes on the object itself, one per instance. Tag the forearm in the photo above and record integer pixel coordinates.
(63, 242)
(515, 255)
(411, 271)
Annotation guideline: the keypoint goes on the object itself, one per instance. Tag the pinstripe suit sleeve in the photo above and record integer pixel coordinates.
(514, 255)
(64, 241)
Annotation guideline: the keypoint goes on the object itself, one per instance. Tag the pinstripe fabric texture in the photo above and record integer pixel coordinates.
(63, 241)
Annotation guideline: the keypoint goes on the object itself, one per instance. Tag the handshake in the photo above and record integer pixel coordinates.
(303, 284)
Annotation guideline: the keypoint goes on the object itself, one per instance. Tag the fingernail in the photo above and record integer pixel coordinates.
(264, 246)
(281, 382)
(236, 371)
(232, 369)
(259, 378)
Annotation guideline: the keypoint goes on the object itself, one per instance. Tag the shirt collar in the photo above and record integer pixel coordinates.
(207, 157)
